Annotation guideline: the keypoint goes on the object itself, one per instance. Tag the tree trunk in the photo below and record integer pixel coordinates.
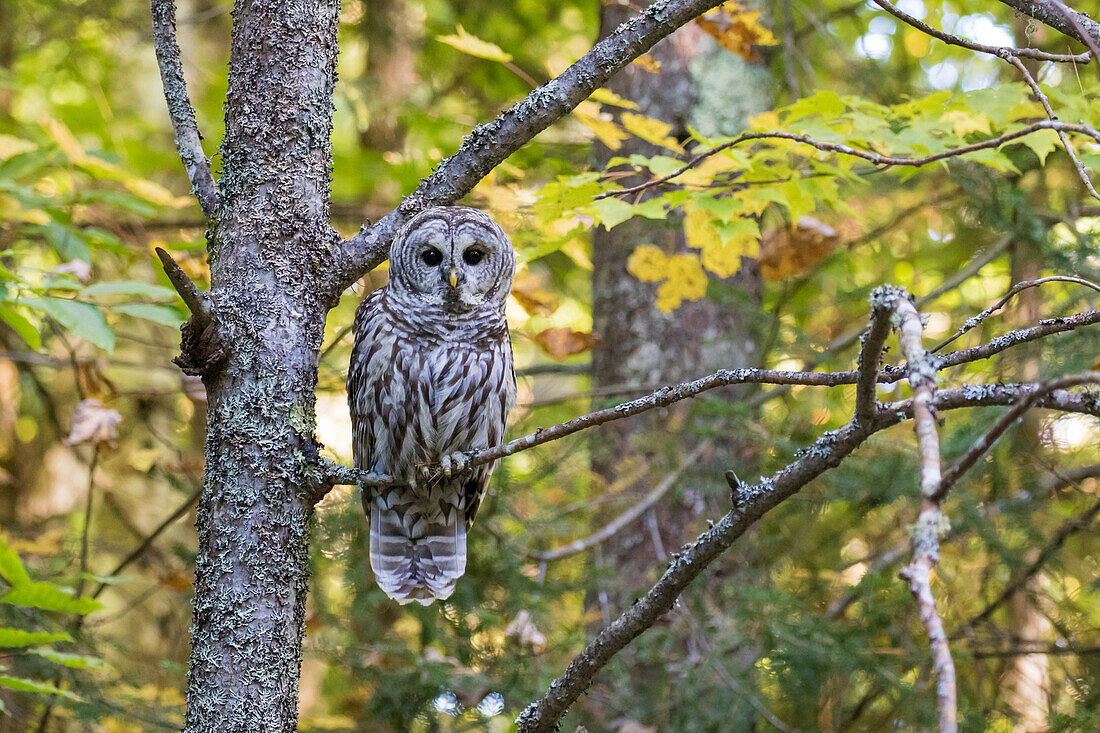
(269, 240)
(702, 85)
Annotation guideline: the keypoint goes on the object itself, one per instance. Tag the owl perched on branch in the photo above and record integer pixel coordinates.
(431, 375)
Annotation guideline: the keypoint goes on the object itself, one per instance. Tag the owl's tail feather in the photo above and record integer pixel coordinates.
(416, 555)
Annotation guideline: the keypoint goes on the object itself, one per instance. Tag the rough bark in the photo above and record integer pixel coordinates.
(638, 343)
(271, 236)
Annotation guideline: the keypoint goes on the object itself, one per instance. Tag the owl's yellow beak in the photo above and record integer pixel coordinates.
(453, 277)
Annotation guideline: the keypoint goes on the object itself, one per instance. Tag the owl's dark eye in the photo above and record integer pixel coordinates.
(431, 256)
(472, 256)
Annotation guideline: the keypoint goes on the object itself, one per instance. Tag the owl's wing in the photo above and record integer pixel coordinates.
(475, 392)
(367, 385)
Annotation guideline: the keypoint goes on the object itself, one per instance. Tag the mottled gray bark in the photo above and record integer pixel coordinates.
(271, 239)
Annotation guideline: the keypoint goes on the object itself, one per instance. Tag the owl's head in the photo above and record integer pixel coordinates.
(455, 257)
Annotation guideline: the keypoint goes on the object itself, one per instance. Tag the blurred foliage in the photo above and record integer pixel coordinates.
(803, 623)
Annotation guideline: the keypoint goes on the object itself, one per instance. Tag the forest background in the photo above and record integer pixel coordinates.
(804, 624)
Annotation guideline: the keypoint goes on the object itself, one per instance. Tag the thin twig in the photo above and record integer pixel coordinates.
(1070, 527)
(885, 161)
(636, 510)
(1032, 53)
(975, 321)
(1073, 18)
(979, 447)
(930, 522)
(84, 535)
(1054, 14)
(1082, 173)
(332, 473)
(188, 138)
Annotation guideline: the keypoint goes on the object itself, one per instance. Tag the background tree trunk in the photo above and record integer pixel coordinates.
(270, 237)
(710, 89)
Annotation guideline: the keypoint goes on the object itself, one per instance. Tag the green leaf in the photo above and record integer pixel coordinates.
(41, 688)
(157, 313)
(611, 211)
(130, 287)
(75, 661)
(474, 46)
(26, 330)
(19, 637)
(11, 567)
(82, 319)
(49, 597)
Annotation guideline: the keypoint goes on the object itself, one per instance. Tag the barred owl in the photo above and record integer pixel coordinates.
(431, 375)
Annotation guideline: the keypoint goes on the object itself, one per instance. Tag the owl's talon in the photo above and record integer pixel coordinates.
(447, 465)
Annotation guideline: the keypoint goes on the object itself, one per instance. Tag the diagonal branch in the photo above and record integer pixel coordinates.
(488, 145)
(188, 139)
(752, 503)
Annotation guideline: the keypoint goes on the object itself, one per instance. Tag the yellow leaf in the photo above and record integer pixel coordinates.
(686, 281)
(737, 30)
(965, 122)
(603, 128)
(10, 146)
(765, 121)
(648, 63)
(156, 193)
(916, 43)
(647, 263)
(793, 249)
(474, 46)
(651, 130)
(65, 139)
(606, 96)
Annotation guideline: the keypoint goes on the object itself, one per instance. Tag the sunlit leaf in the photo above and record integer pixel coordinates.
(49, 597)
(83, 319)
(74, 661)
(11, 567)
(42, 688)
(474, 46)
(26, 330)
(19, 637)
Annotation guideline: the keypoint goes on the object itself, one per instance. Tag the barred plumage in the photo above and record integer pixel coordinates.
(431, 375)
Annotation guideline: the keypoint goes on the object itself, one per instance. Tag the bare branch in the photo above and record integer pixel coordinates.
(188, 138)
(1082, 173)
(885, 161)
(752, 503)
(1018, 287)
(488, 145)
(1056, 15)
(979, 447)
(869, 356)
(196, 300)
(1034, 53)
(1070, 527)
(1074, 19)
(930, 522)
